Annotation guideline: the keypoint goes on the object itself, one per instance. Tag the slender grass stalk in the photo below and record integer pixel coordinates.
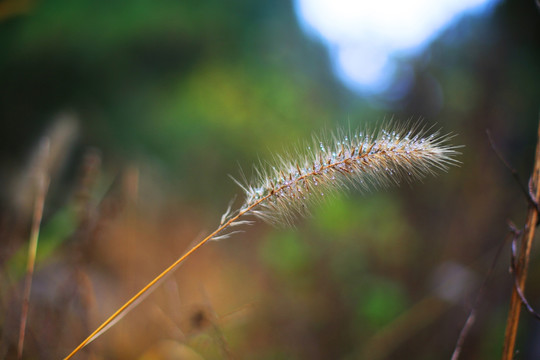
(41, 187)
(283, 192)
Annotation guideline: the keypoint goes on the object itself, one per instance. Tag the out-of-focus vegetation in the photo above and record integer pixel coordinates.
(150, 105)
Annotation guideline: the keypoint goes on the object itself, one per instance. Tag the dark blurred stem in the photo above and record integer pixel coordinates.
(42, 185)
(464, 331)
(472, 314)
(522, 262)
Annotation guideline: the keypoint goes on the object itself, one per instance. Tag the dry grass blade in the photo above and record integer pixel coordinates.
(283, 192)
(41, 186)
(522, 262)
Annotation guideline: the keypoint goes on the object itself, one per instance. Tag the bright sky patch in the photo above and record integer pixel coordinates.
(363, 36)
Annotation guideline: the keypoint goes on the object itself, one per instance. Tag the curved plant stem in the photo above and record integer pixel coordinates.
(522, 262)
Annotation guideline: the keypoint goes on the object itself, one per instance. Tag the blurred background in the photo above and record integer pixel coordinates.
(149, 106)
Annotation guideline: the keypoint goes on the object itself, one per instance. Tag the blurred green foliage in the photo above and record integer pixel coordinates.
(382, 302)
(286, 254)
(180, 81)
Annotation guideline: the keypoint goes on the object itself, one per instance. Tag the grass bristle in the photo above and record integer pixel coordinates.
(364, 160)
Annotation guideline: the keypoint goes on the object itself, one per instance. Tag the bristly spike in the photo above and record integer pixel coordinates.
(364, 160)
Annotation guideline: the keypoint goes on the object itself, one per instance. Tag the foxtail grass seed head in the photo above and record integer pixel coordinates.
(364, 160)
(283, 192)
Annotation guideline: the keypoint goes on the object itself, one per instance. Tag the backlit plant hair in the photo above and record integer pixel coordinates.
(285, 190)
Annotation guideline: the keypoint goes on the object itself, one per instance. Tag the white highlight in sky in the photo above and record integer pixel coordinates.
(363, 35)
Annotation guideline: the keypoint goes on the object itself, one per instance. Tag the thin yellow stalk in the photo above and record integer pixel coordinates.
(159, 277)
